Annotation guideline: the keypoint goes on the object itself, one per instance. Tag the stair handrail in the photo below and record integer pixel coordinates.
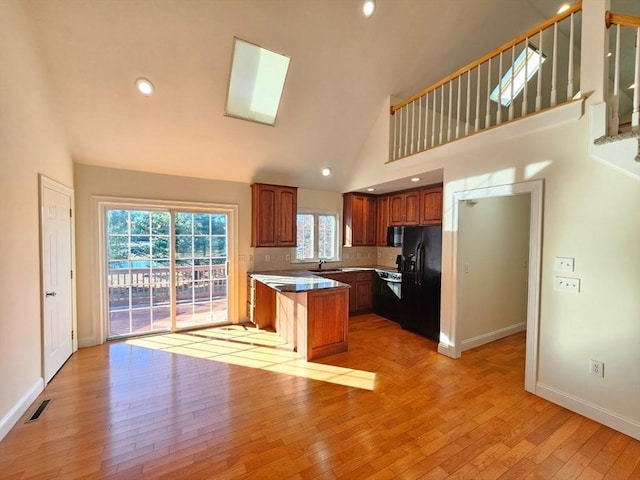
(494, 53)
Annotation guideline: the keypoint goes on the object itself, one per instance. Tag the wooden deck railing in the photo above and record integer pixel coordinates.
(139, 287)
(626, 41)
(461, 104)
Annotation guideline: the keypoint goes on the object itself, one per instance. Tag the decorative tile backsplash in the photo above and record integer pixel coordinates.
(267, 259)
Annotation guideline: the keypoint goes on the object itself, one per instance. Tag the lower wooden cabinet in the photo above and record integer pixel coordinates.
(361, 291)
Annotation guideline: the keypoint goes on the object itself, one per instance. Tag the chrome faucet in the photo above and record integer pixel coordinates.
(320, 264)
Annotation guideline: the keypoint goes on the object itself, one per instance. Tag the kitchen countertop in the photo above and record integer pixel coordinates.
(305, 280)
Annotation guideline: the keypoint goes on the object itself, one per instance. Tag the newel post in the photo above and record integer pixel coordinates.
(594, 67)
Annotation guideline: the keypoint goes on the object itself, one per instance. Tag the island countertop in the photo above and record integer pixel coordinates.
(296, 281)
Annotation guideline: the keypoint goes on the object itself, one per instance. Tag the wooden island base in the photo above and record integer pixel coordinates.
(314, 323)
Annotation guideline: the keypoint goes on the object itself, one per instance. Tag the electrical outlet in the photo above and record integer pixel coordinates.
(287, 257)
(596, 368)
(564, 264)
(267, 258)
(566, 284)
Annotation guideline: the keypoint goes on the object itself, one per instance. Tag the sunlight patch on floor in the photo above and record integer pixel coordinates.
(253, 348)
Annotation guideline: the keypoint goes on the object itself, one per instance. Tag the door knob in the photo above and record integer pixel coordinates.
(50, 294)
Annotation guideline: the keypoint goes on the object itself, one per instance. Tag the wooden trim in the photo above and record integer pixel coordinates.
(622, 20)
(528, 34)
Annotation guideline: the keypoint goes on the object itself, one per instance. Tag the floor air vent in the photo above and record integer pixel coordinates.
(40, 410)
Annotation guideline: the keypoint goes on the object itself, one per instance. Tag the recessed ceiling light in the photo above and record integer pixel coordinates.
(563, 8)
(144, 86)
(368, 8)
(416, 179)
(609, 54)
(326, 171)
(371, 189)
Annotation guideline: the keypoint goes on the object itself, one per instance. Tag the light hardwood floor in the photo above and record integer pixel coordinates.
(183, 406)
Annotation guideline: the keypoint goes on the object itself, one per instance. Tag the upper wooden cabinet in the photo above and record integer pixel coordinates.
(273, 215)
(382, 206)
(359, 220)
(431, 205)
(404, 208)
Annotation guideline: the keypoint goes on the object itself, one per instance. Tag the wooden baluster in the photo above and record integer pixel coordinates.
(441, 115)
(499, 115)
(614, 120)
(487, 121)
(477, 124)
(449, 110)
(513, 74)
(570, 71)
(525, 93)
(466, 117)
(539, 89)
(635, 116)
(458, 109)
(433, 123)
(554, 65)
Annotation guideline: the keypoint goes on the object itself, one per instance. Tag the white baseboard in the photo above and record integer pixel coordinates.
(491, 336)
(589, 410)
(11, 418)
(448, 350)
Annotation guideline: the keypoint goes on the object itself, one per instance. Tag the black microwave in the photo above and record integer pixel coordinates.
(394, 236)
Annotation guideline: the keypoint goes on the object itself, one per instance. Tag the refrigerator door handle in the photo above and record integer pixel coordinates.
(419, 253)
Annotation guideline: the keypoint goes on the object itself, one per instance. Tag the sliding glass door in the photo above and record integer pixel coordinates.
(166, 270)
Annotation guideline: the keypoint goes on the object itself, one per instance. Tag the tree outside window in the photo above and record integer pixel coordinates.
(317, 237)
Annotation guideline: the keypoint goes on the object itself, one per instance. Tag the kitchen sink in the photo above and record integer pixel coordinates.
(324, 270)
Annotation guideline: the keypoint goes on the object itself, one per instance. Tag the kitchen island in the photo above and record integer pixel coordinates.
(309, 312)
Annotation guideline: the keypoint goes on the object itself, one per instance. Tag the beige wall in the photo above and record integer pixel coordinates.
(493, 254)
(31, 143)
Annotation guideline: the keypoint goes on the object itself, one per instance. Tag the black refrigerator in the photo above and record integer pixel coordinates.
(421, 272)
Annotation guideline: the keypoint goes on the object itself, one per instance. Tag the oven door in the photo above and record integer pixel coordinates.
(387, 301)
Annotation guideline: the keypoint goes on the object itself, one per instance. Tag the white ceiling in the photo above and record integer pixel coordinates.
(343, 69)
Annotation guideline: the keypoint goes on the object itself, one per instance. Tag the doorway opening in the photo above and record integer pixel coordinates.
(165, 267)
(535, 191)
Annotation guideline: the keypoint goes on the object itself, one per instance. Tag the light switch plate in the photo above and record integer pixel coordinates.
(564, 264)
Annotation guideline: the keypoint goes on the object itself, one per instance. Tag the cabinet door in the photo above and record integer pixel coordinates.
(396, 209)
(370, 222)
(431, 206)
(412, 208)
(359, 220)
(286, 232)
(382, 207)
(263, 214)
(364, 295)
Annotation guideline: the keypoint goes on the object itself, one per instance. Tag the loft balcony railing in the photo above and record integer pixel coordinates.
(624, 101)
(544, 61)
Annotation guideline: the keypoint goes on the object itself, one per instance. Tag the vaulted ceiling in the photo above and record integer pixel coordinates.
(343, 70)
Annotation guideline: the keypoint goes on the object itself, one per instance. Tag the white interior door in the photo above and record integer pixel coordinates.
(57, 291)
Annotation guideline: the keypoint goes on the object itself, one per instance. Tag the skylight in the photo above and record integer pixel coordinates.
(256, 82)
(534, 58)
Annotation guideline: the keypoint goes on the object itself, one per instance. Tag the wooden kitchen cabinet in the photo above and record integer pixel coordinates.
(361, 291)
(359, 211)
(261, 304)
(273, 215)
(364, 291)
(382, 207)
(404, 208)
(431, 205)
